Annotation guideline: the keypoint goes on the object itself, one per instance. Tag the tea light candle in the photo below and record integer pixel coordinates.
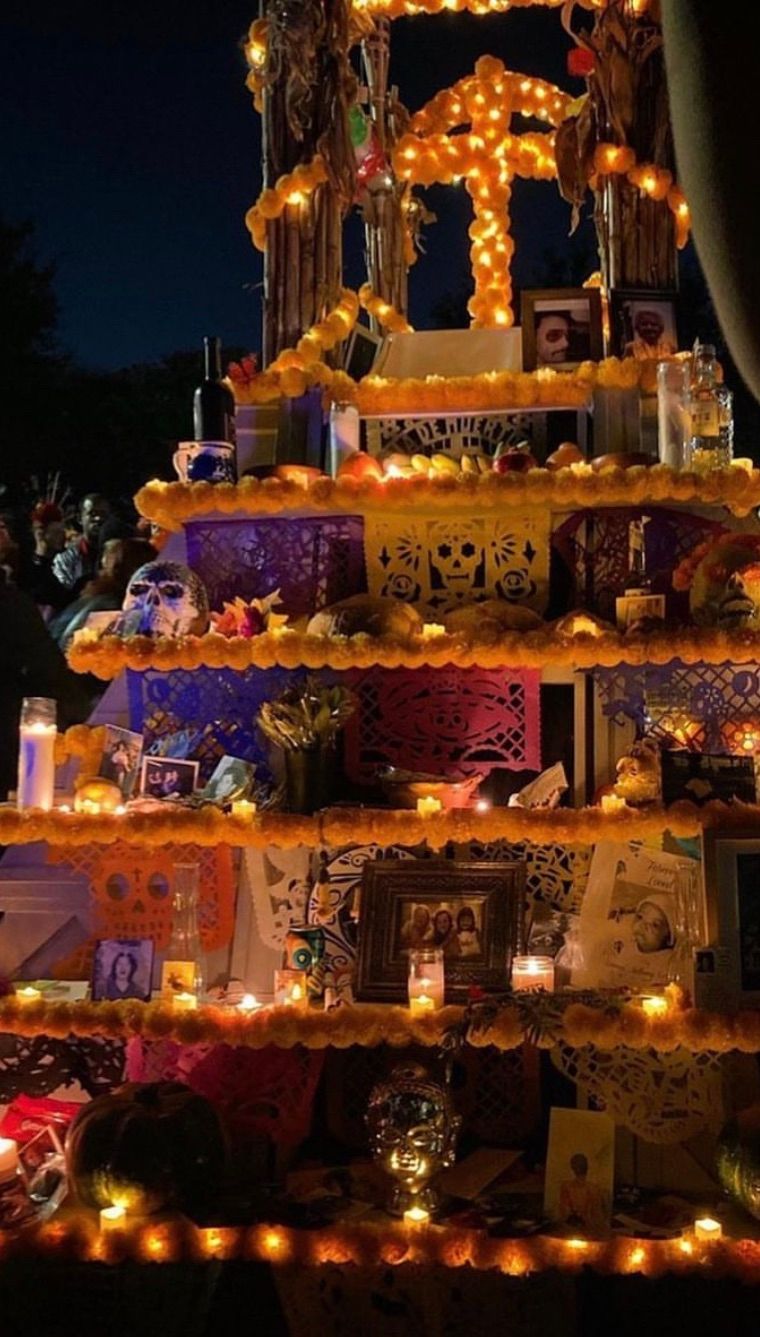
(532, 972)
(432, 629)
(707, 1228)
(654, 1004)
(428, 806)
(184, 1002)
(248, 1003)
(302, 474)
(611, 803)
(422, 1002)
(290, 989)
(113, 1218)
(244, 809)
(8, 1157)
(414, 1217)
(28, 994)
(36, 756)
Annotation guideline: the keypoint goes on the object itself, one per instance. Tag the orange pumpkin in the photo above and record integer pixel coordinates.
(94, 794)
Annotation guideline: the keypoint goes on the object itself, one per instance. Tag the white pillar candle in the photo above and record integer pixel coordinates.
(113, 1218)
(532, 972)
(707, 1228)
(184, 1002)
(36, 755)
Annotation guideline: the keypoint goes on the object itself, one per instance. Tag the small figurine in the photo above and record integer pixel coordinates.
(638, 777)
(412, 1131)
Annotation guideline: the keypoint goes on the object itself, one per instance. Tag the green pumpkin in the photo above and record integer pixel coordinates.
(738, 1159)
(150, 1147)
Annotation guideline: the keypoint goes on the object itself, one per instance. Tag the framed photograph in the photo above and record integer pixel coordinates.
(561, 327)
(168, 777)
(123, 968)
(580, 1171)
(643, 324)
(231, 779)
(731, 864)
(120, 759)
(473, 911)
(362, 349)
(642, 916)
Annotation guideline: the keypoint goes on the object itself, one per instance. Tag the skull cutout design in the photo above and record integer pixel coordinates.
(165, 599)
(457, 560)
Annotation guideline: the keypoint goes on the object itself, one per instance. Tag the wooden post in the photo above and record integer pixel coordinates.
(309, 86)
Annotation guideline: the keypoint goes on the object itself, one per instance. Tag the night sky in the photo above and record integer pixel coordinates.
(130, 140)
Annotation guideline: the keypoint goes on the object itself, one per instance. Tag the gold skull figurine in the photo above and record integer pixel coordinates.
(412, 1130)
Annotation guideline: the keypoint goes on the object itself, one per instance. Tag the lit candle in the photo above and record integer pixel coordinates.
(707, 1228)
(432, 629)
(8, 1157)
(113, 1218)
(248, 1003)
(532, 972)
(302, 474)
(482, 805)
(426, 980)
(244, 809)
(654, 1004)
(428, 806)
(36, 756)
(414, 1217)
(184, 1002)
(28, 994)
(611, 803)
(290, 989)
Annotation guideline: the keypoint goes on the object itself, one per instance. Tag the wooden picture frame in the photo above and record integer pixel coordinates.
(393, 888)
(731, 867)
(627, 305)
(558, 347)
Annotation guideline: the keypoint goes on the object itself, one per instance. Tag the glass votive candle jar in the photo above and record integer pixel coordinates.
(427, 981)
(532, 972)
(290, 989)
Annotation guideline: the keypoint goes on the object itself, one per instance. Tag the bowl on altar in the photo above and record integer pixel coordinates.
(402, 789)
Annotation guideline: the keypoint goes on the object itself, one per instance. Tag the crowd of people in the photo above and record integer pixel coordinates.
(54, 572)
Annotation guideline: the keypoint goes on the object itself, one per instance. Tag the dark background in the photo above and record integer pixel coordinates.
(132, 147)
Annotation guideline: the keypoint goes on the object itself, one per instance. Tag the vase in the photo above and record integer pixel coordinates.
(309, 778)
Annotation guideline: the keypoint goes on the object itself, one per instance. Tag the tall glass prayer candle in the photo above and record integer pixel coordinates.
(426, 976)
(36, 754)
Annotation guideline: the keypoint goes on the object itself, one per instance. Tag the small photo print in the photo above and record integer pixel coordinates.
(177, 977)
(120, 759)
(580, 1171)
(562, 327)
(455, 925)
(644, 324)
(123, 968)
(231, 779)
(168, 777)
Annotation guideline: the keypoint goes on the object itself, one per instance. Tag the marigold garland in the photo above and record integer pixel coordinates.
(81, 742)
(291, 189)
(389, 318)
(74, 1235)
(296, 369)
(373, 1024)
(207, 826)
(107, 656)
(172, 504)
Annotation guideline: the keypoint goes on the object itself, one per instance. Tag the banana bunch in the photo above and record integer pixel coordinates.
(397, 465)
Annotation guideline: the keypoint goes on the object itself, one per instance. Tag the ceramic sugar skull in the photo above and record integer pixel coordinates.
(165, 599)
(412, 1131)
(725, 583)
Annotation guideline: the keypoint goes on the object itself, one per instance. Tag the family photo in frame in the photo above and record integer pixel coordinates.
(473, 911)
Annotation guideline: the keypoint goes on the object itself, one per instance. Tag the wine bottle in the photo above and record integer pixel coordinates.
(213, 401)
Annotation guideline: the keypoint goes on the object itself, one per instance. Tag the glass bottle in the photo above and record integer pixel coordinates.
(712, 418)
(183, 967)
(637, 581)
